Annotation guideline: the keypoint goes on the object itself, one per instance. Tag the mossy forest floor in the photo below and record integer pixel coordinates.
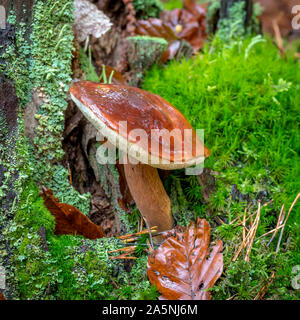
(246, 97)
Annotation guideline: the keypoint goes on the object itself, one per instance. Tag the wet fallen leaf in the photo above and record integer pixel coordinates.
(156, 28)
(183, 267)
(179, 24)
(188, 23)
(69, 220)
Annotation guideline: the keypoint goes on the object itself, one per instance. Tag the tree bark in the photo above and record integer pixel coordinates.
(9, 106)
(227, 4)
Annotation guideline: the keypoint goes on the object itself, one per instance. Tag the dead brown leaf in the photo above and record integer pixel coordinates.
(183, 267)
(68, 219)
(179, 24)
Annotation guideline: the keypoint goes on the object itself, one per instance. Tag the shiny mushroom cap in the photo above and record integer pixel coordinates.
(141, 124)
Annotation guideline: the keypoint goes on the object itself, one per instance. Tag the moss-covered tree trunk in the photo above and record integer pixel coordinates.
(232, 18)
(227, 4)
(9, 135)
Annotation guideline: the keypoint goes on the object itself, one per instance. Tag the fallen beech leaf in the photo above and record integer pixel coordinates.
(179, 24)
(154, 27)
(183, 267)
(69, 220)
(198, 10)
(188, 23)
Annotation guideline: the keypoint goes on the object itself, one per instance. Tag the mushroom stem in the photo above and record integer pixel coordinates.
(149, 195)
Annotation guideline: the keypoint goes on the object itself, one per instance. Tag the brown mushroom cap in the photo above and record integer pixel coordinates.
(106, 105)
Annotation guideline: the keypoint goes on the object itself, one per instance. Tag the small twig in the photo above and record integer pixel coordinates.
(247, 239)
(244, 223)
(241, 223)
(126, 236)
(123, 256)
(232, 297)
(251, 221)
(113, 282)
(234, 220)
(286, 219)
(267, 203)
(70, 174)
(278, 37)
(279, 222)
(264, 289)
(130, 240)
(264, 205)
(141, 224)
(253, 230)
(149, 246)
(220, 220)
(150, 232)
(269, 232)
(242, 245)
(131, 248)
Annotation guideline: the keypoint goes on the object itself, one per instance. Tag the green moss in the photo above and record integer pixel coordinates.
(46, 62)
(146, 51)
(245, 97)
(147, 8)
(32, 268)
(234, 26)
(173, 4)
(71, 267)
(139, 39)
(86, 65)
(143, 52)
(50, 70)
(58, 267)
(16, 59)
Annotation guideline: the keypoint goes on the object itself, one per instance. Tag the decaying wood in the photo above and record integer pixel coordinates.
(149, 195)
(111, 48)
(208, 183)
(79, 145)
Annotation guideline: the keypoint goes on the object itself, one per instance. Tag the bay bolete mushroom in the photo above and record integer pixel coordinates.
(150, 132)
